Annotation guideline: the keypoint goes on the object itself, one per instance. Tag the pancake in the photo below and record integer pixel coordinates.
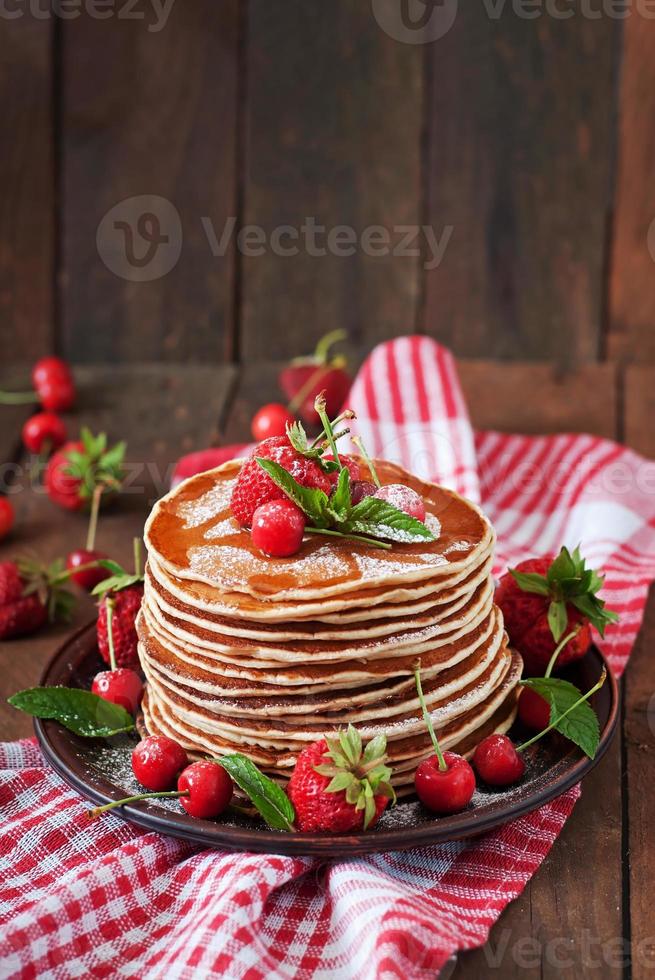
(245, 653)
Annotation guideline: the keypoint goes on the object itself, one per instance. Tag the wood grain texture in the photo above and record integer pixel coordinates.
(520, 149)
(334, 117)
(149, 113)
(27, 202)
(640, 711)
(632, 281)
(162, 412)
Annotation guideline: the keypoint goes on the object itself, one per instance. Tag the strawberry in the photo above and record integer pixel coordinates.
(338, 787)
(254, 488)
(543, 599)
(78, 468)
(305, 377)
(121, 594)
(31, 594)
(351, 465)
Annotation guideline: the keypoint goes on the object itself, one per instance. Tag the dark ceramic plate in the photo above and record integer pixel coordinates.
(100, 769)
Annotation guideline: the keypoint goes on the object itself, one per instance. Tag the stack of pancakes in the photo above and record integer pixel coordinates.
(246, 653)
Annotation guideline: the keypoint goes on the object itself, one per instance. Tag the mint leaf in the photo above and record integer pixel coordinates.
(557, 619)
(581, 725)
(314, 503)
(80, 711)
(531, 582)
(340, 501)
(270, 799)
(380, 519)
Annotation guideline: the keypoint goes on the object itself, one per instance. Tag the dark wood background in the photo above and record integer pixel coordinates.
(533, 138)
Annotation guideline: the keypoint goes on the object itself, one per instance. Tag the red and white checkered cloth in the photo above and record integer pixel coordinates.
(105, 899)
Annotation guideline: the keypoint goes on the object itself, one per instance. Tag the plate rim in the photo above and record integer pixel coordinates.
(218, 836)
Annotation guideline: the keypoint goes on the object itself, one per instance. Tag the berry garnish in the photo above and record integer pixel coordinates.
(445, 781)
(338, 786)
(157, 760)
(119, 607)
(254, 487)
(305, 377)
(499, 762)
(121, 686)
(271, 420)
(372, 521)
(360, 489)
(544, 598)
(403, 498)
(53, 384)
(43, 433)
(278, 528)
(351, 465)
(30, 595)
(6, 517)
(79, 468)
(209, 789)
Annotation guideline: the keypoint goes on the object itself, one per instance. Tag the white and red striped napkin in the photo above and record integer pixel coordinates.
(105, 899)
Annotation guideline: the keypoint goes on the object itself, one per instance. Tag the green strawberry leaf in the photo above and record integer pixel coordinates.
(380, 519)
(313, 503)
(581, 724)
(270, 799)
(531, 582)
(594, 609)
(562, 567)
(80, 711)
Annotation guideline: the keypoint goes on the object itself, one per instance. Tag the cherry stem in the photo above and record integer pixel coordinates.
(137, 556)
(167, 794)
(93, 519)
(324, 344)
(110, 631)
(348, 415)
(556, 721)
(351, 537)
(369, 462)
(428, 721)
(18, 397)
(560, 646)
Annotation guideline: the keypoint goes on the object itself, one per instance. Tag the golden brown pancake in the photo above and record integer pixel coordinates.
(245, 653)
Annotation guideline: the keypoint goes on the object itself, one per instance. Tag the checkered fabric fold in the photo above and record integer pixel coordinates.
(105, 899)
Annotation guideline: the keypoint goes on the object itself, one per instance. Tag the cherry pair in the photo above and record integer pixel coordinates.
(204, 788)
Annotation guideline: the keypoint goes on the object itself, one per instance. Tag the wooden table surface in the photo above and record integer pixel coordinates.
(587, 912)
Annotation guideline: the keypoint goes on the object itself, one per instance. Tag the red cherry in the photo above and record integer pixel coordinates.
(89, 577)
(534, 711)
(210, 789)
(278, 528)
(271, 420)
(497, 762)
(360, 489)
(121, 686)
(445, 790)
(49, 368)
(156, 762)
(57, 395)
(404, 498)
(44, 431)
(6, 517)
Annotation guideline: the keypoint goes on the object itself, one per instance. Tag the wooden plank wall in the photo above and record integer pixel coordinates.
(525, 144)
